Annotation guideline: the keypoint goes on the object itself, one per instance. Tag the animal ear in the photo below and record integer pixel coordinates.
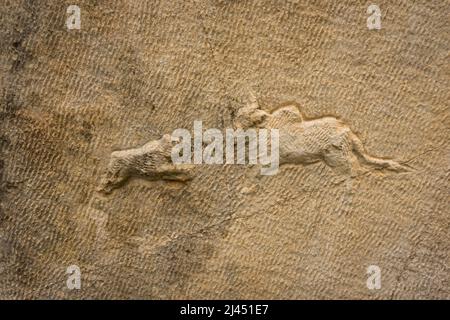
(252, 101)
(166, 137)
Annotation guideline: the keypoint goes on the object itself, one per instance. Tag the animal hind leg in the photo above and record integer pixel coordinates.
(116, 175)
(346, 167)
(342, 160)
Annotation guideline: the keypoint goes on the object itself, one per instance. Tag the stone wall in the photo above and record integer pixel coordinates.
(137, 70)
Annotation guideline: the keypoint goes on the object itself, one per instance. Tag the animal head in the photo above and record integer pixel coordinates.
(250, 116)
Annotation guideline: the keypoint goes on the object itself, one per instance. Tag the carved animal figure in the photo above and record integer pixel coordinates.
(151, 161)
(304, 142)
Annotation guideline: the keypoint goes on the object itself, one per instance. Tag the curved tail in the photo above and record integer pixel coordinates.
(374, 162)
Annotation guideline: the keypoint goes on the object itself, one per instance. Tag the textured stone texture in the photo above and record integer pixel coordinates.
(139, 69)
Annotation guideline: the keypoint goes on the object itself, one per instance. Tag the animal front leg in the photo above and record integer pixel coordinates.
(175, 172)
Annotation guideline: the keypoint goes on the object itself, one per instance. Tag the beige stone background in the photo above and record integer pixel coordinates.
(138, 69)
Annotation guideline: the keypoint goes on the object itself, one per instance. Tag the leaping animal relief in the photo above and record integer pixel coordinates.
(294, 140)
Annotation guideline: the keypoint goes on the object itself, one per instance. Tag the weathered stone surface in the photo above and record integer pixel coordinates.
(137, 70)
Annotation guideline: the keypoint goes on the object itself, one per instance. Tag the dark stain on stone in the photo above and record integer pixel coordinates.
(86, 131)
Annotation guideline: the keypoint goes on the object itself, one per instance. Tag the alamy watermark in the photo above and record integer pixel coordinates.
(374, 20)
(74, 279)
(73, 20)
(374, 280)
(210, 146)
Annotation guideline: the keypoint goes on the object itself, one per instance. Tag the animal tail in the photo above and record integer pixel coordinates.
(374, 162)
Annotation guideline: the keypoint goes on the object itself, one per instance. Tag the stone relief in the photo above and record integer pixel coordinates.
(301, 141)
(151, 161)
(325, 139)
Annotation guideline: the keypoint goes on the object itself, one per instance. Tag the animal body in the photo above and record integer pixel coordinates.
(151, 161)
(326, 139)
